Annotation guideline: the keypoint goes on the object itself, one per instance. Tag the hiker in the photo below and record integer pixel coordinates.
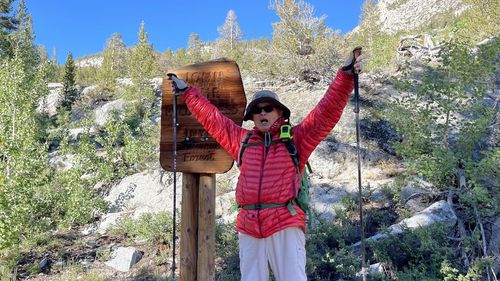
(271, 226)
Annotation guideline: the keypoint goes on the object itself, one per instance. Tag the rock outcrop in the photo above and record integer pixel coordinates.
(397, 15)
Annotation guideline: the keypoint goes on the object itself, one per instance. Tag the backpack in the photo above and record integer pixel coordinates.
(302, 199)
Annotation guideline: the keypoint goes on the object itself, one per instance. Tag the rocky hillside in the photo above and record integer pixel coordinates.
(89, 61)
(407, 15)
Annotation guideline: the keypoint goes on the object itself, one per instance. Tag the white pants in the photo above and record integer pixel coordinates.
(284, 251)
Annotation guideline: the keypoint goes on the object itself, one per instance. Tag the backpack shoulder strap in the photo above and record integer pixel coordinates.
(287, 138)
(292, 150)
(244, 144)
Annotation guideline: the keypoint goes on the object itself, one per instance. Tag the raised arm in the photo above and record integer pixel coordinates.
(322, 119)
(227, 133)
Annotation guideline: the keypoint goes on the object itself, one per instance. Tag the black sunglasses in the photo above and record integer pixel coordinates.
(267, 109)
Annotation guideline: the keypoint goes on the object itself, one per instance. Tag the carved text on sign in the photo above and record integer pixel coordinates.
(208, 82)
(209, 156)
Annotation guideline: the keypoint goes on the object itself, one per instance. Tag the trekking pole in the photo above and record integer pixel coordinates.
(174, 167)
(360, 195)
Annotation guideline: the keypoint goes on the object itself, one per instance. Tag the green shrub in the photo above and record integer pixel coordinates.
(226, 247)
(474, 273)
(128, 144)
(426, 115)
(86, 76)
(151, 228)
(350, 203)
(378, 219)
(80, 201)
(327, 255)
(415, 254)
(384, 52)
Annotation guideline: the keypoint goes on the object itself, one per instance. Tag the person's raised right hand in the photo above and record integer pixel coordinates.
(178, 85)
(354, 61)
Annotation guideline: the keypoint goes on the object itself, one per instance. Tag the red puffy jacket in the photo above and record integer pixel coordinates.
(271, 177)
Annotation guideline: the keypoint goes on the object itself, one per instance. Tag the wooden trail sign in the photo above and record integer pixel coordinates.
(199, 157)
(197, 152)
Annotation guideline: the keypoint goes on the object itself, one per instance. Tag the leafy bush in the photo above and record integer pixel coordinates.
(88, 75)
(441, 112)
(127, 144)
(22, 158)
(474, 273)
(76, 202)
(378, 219)
(327, 255)
(414, 254)
(152, 228)
(226, 247)
(444, 119)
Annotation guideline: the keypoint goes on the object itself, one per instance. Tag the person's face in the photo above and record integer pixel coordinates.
(264, 115)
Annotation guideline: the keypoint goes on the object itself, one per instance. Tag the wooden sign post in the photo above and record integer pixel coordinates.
(199, 157)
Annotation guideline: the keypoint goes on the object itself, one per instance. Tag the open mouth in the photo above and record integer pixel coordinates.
(264, 121)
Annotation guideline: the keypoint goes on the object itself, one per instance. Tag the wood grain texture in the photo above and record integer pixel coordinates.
(189, 227)
(206, 228)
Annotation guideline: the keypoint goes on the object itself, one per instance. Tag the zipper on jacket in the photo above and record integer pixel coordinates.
(267, 144)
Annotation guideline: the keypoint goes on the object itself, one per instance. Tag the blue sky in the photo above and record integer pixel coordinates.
(83, 26)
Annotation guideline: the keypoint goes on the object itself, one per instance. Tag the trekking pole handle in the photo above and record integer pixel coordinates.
(356, 77)
(351, 60)
(179, 86)
(356, 93)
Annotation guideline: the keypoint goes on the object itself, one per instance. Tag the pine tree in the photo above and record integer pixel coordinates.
(194, 41)
(377, 45)
(181, 57)
(69, 87)
(54, 71)
(6, 21)
(195, 48)
(301, 41)
(8, 24)
(54, 56)
(296, 31)
(166, 61)
(143, 63)
(230, 32)
(23, 38)
(114, 64)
